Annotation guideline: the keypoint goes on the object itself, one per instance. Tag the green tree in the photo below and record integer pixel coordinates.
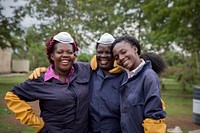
(11, 30)
(36, 49)
(173, 21)
(86, 20)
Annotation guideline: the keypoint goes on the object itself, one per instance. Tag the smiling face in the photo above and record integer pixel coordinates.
(63, 57)
(126, 55)
(105, 59)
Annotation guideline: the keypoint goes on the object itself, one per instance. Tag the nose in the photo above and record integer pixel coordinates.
(103, 55)
(65, 54)
(120, 59)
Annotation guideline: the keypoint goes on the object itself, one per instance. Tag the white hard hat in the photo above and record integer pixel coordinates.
(106, 38)
(63, 37)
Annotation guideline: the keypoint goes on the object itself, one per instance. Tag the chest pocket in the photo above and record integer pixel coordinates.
(134, 99)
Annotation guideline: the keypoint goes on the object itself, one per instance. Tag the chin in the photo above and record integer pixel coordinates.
(103, 67)
(126, 67)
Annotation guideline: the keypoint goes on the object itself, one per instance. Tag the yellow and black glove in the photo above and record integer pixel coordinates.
(23, 111)
(36, 73)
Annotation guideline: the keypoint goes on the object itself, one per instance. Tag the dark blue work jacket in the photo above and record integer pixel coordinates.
(140, 99)
(105, 102)
(64, 107)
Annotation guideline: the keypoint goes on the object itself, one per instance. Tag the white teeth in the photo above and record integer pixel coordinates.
(125, 63)
(65, 61)
(104, 62)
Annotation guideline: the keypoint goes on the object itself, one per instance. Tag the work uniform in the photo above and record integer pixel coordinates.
(140, 99)
(105, 102)
(64, 107)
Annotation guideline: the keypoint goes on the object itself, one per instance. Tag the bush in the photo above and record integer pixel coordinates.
(84, 57)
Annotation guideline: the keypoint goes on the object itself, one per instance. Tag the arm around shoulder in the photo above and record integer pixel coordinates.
(36, 73)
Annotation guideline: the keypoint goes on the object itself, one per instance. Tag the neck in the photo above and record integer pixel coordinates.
(106, 71)
(137, 63)
(62, 74)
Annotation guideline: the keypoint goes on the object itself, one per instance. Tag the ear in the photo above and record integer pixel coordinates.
(135, 49)
(52, 57)
(75, 54)
(73, 58)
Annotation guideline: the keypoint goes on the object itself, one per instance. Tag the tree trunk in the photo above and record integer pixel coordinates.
(198, 62)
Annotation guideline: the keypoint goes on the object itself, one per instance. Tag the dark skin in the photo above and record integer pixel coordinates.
(63, 57)
(126, 55)
(105, 59)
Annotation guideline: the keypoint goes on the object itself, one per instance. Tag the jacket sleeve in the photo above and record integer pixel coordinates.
(154, 112)
(23, 111)
(155, 126)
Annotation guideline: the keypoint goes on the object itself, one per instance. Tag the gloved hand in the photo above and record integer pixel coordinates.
(154, 126)
(116, 69)
(163, 105)
(93, 63)
(36, 73)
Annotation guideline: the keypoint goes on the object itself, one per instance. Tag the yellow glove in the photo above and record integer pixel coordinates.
(154, 126)
(163, 105)
(23, 112)
(36, 73)
(116, 69)
(93, 63)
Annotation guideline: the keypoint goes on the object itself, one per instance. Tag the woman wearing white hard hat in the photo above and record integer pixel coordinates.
(63, 91)
(105, 83)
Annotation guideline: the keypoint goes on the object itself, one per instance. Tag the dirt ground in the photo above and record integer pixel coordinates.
(182, 122)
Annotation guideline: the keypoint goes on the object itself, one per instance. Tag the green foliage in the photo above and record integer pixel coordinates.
(36, 51)
(37, 56)
(84, 57)
(173, 21)
(176, 100)
(187, 77)
(173, 58)
(10, 27)
(75, 17)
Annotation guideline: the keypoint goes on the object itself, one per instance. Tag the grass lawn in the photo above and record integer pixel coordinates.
(178, 106)
(178, 102)
(7, 121)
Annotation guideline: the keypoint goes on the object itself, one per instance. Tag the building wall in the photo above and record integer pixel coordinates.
(5, 60)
